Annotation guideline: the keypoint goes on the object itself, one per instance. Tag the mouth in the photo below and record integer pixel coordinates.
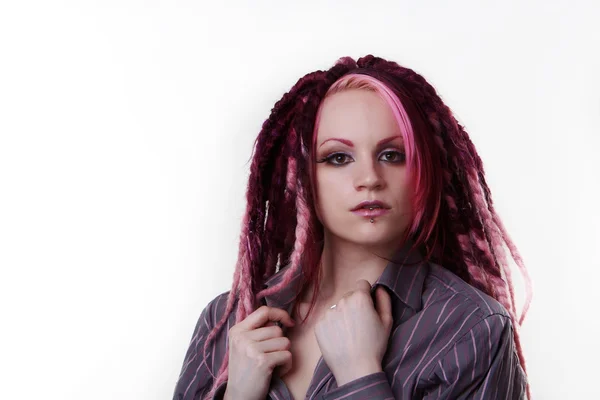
(371, 209)
(371, 205)
(375, 212)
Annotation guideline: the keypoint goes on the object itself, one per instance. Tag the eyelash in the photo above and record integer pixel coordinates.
(330, 157)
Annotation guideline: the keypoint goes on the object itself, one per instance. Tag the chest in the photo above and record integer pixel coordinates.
(305, 357)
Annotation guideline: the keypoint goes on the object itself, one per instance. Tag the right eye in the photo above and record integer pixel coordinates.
(336, 159)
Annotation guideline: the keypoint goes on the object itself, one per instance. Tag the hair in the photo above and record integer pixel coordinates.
(454, 223)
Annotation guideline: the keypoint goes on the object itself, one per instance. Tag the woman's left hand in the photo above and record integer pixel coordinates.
(353, 336)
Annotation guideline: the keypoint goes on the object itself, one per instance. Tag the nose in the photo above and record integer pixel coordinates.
(368, 177)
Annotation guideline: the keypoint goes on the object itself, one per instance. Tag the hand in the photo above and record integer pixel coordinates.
(255, 350)
(353, 336)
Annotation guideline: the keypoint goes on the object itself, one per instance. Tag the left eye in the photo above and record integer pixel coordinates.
(393, 156)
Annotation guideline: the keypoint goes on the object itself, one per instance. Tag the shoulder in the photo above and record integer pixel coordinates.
(443, 287)
(210, 316)
(454, 311)
(214, 310)
(196, 373)
(477, 352)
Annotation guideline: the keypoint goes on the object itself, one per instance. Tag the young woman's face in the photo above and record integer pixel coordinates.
(360, 157)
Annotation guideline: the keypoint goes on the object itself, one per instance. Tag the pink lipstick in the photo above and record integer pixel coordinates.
(373, 208)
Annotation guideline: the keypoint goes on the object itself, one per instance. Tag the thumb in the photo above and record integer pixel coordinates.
(384, 307)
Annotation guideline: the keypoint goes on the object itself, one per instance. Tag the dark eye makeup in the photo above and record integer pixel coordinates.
(389, 156)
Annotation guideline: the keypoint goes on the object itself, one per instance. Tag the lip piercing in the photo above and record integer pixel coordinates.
(371, 208)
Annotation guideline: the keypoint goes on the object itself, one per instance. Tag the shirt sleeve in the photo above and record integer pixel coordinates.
(195, 379)
(483, 364)
(369, 387)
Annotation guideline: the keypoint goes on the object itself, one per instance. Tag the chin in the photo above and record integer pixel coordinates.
(378, 232)
(371, 235)
(363, 232)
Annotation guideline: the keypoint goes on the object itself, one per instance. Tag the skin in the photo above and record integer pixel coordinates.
(368, 163)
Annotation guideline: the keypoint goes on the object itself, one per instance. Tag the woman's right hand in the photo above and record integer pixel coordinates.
(255, 350)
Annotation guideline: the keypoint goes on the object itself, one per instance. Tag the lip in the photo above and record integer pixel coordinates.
(376, 212)
(359, 207)
(363, 210)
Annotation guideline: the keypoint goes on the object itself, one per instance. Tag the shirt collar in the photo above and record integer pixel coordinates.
(404, 276)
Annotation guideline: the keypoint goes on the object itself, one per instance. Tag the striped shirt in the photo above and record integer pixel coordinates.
(448, 341)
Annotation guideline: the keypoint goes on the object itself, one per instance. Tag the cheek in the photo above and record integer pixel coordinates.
(403, 195)
(325, 182)
(400, 187)
(332, 193)
(335, 186)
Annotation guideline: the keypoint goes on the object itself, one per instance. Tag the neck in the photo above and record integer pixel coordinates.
(343, 263)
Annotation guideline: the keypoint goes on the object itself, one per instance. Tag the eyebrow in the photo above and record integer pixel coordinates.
(349, 142)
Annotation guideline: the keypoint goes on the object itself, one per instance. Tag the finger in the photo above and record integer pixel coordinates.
(264, 333)
(384, 306)
(279, 358)
(264, 314)
(275, 344)
(274, 323)
(364, 286)
(285, 367)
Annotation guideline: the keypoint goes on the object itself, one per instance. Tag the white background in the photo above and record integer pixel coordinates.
(126, 128)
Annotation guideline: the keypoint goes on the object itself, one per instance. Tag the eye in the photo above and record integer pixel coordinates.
(393, 156)
(336, 159)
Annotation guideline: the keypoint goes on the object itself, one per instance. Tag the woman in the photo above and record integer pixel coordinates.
(371, 262)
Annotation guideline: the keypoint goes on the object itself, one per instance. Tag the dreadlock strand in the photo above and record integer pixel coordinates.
(302, 215)
(461, 197)
(513, 251)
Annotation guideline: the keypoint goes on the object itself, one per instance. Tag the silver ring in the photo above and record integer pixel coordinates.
(333, 306)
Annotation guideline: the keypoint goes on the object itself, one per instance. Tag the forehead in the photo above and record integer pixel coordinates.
(355, 114)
